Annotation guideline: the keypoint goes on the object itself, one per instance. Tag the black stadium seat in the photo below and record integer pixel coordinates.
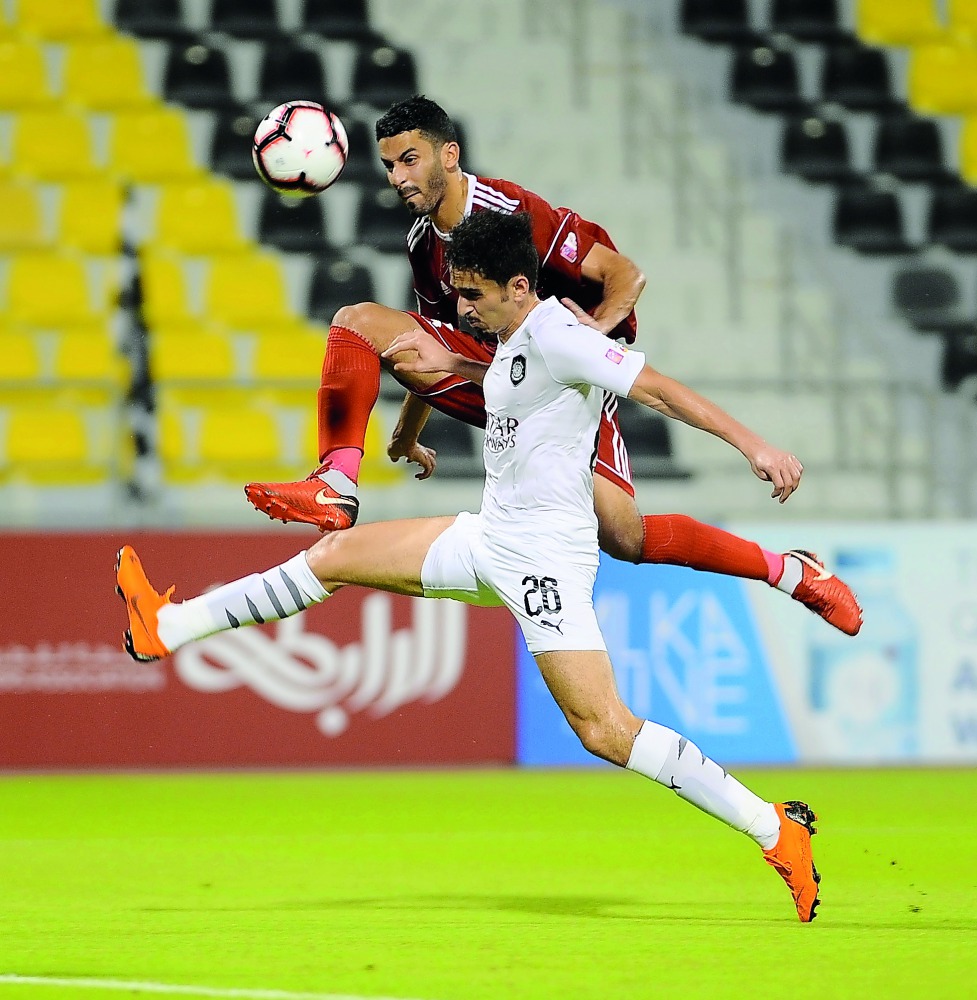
(230, 148)
(911, 149)
(648, 438)
(292, 224)
(766, 79)
(338, 282)
(383, 75)
(809, 20)
(817, 149)
(198, 76)
(928, 297)
(953, 218)
(869, 220)
(725, 21)
(454, 441)
(245, 18)
(339, 19)
(382, 220)
(152, 19)
(959, 357)
(858, 78)
(289, 73)
(363, 164)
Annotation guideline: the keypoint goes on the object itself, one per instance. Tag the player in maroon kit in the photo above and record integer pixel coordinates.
(579, 264)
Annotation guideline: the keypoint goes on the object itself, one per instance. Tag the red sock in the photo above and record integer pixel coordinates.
(679, 540)
(348, 392)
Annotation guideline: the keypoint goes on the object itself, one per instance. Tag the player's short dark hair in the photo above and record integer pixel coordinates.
(421, 113)
(496, 245)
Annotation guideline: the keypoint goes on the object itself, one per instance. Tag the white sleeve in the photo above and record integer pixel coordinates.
(577, 354)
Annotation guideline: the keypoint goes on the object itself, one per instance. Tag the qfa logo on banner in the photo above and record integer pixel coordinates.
(686, 652)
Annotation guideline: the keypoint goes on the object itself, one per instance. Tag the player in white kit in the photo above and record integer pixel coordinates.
(533, 544)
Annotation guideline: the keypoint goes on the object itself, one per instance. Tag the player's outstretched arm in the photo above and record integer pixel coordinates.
(426, 355)
(621, 280)
(678, 401)
(404, 440)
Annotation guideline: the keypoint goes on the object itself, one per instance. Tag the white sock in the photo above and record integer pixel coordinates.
(791, 576)
(339, 481)
(277, 593)
(664, 756)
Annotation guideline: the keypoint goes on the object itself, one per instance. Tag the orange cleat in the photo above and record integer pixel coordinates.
(141, 639)
(310, 501)
(824, 594)
(793, 859)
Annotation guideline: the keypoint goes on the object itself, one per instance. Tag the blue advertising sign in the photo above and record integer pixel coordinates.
(687, 653)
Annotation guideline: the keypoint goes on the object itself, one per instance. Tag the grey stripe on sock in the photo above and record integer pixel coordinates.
(234, 622)
(273, 597)
(255, 614)
(293, 590)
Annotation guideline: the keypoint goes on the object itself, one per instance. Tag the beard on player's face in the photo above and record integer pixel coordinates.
(430, 194)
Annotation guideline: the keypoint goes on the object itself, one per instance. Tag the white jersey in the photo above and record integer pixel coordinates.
(543, 397)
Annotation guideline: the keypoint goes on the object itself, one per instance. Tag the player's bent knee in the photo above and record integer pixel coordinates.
(603, 739)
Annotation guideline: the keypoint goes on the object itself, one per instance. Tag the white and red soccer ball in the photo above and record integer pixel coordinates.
(299, 148)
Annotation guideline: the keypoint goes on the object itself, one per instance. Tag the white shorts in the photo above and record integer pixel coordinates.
(551, 599)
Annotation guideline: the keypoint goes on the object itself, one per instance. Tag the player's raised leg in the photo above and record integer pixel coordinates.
(679, 540)
(582, 682)
(347, 394)
(386, 556)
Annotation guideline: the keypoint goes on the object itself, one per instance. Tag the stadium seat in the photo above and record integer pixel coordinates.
(897, 22)
(53, 145)
(766, 79)
(89, 355)
(869, 220)
(335, 283)
(962, 19)
(383, 75)
(23, 75)
(968, 150)
(382, 221)
(911, 149)
(959, 360)
(90, 218)
(198, 76)
(647, 436)
(152, 19)
(230, 149)
(928, 297)
(164, 290)
(48, 289)
(724, 21)
(290, 354)
(245, 18)
(859, 79)
(137, 138)
(21, 220)
(58, 21)
(943, 79)
(289, 73)
(953, 218)
(247, 291)
(817, 149)
(246, 437)
(294, 225)
(338, 19)
(198, 218)
(105, 75)
(809, 20)
(363, 163)
(22, 358)
(191, 354)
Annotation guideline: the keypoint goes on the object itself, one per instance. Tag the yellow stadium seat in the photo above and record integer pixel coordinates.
(23, 75)
(290, 354)
(105, 74)
(898, 22)
(246, 435)
(198, 217)
(88, 355)
(247, 291)
(962, 18)
(151, 146)
(21, 356)
(48, 289)
(52, 145)
(59, 19)
(164, 290)
(21, 219)
(943, 79)
(91, 215)
(191, 354)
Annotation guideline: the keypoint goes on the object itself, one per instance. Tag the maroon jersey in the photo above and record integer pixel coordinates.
(563, 239)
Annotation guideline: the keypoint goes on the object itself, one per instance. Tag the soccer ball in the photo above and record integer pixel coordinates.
(299, 149)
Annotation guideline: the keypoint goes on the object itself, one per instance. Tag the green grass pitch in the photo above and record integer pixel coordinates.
(480, 884)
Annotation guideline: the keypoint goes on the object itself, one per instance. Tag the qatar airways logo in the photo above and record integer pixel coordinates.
(500, 432)
(301, 671)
